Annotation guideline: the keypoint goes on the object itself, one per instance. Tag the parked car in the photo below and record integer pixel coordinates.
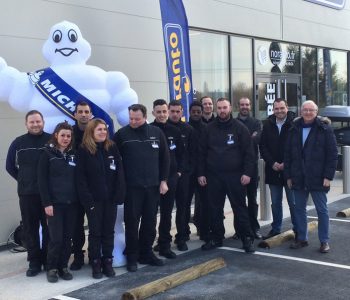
(340, 117)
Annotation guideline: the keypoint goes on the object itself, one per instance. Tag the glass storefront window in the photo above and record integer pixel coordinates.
(309, 73)
(276, 57)
(209, 60)
(332, 77)
(241, 70)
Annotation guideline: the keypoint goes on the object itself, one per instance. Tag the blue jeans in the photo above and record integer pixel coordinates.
(320, 200)
(277, 209)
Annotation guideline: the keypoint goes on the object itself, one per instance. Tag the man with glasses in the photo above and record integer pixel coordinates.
(272, 144)
(310, 164)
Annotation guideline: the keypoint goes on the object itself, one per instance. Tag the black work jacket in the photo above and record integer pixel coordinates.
(145, 155)
(22, 161)
(100, 176)
(175, 146)
(226, 148)
(56, 177)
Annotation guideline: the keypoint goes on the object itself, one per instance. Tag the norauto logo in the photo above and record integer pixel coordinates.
(181, 83)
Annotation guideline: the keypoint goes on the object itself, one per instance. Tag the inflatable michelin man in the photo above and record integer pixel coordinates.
(55, 90)
(67, 52)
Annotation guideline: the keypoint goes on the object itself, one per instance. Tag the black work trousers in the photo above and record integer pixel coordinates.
(61, 226)
(201, 212)
(252, 203)
(183, 208)
(33, 215)
(166, 206)
(141, 205)
(220, 185)
(101, 229)
(78, 238)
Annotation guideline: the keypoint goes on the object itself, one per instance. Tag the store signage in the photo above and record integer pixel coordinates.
(277, 55)
(336, 4)
(270, 97)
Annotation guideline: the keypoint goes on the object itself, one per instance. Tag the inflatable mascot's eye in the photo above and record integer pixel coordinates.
(57, 36)
(72, 35)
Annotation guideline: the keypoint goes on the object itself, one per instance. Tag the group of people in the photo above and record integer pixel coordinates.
(81, 170)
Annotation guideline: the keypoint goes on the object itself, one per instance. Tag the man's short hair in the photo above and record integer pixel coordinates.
(204, 97)
(239, 101)
(140, 107)
(196, 103)
(33, 112)
(81, 103)
(278, 100)
(223, 99)
(175, 103)
(159, 102)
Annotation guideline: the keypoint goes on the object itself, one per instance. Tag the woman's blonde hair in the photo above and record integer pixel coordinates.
(88, 139)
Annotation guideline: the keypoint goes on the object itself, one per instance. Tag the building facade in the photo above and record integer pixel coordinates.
(262, 49)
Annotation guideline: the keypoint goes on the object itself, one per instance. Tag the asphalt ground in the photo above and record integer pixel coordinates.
(276, 273)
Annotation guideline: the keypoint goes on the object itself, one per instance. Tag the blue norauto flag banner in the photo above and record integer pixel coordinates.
(177, 48)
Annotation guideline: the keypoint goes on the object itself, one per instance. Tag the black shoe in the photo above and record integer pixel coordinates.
(33, 271)
(52, 276)
(257, 234)
(299, 244)
(77, 263)
(107, 267)
(64, 274)
(167, 253)
(151, 260)
(156, 248)
(248, 245)
(131, 266)
(270, 234)
(211, 245)
(96, 268)
(236, 236)
(182, 246)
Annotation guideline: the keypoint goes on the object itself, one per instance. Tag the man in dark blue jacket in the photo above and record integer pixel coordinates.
(272, 145)
(226, 164)
(310, 164)
(22, 163)
(146, 162)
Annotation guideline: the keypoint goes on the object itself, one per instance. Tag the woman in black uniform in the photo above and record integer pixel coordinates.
(57, 188)
(101, 187)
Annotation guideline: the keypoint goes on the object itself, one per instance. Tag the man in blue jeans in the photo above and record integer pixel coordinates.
(272, 144)
(310, 164)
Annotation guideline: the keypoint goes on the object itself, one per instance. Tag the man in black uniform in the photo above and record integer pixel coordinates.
(254, 126)
(183, 205)
(201, 210)
(83, 116)
(22, 163)
(176, 149)
(226, 165)
(146, 162)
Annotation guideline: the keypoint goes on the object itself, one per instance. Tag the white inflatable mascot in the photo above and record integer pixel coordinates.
(55, 90)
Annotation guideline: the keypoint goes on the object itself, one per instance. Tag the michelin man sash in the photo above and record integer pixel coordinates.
(177, 48)
(64, 97)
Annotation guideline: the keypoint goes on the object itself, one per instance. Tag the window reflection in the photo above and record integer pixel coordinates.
(332, 77)
(209, 60)
(241, 70)
(309, 73)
